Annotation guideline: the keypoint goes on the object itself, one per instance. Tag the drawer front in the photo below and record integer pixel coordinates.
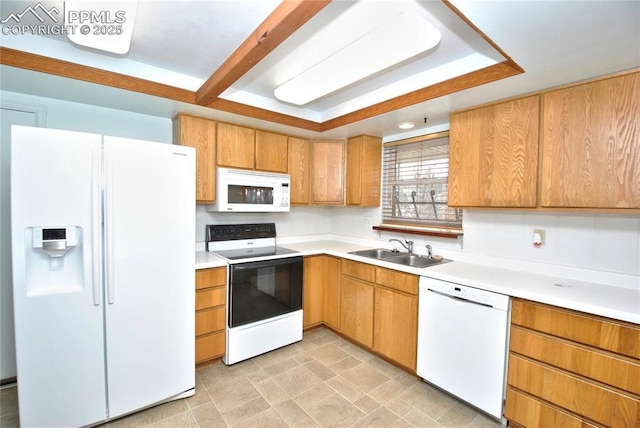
(212, 277)
(529, 412)
(209, 320)
(210, 346)
(594, 402)
(359, 270)
(614, 336)
(602, 367)
(210, 298)
(397, 280)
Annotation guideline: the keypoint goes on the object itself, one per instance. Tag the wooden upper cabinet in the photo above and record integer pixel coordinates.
(493, 155)
(327, 172)
(591, 144)
(299, 162)
(364, 165)
(235, 146)
(199, 133)
(271, 152)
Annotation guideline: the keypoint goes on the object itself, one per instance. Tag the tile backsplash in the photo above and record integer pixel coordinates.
(605, 242)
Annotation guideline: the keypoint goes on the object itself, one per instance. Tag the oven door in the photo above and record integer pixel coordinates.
(264, 289)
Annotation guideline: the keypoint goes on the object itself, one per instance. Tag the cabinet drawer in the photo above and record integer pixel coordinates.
(210, 346)
(614, 336)
(359, 270)
(210, 298)
(529, 412)
(594, 402)
(213, 277)
(602, 367)
(209, 320)
(397, 280)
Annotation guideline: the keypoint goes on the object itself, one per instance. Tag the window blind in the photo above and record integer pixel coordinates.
(415, 189)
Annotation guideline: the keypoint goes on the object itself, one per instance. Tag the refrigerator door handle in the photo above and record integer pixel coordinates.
(96, 231)
(108, 227)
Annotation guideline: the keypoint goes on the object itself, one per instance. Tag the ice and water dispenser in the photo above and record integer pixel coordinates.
(54, 259)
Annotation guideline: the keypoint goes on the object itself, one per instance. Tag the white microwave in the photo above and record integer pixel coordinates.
(239, 190)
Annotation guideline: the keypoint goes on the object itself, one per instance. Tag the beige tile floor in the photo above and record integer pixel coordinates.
(323, 381)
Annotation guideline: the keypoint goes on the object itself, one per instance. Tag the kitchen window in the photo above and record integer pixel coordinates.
(415, 188)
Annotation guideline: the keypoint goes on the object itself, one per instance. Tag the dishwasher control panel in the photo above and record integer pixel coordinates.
(476, 295)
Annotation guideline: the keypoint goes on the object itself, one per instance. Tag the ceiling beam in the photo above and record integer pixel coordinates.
(276, 28)
(57, 67)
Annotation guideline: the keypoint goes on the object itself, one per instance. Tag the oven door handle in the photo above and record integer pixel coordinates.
(266, 263)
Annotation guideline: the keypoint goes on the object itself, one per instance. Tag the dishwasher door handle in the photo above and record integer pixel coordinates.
(462, 299)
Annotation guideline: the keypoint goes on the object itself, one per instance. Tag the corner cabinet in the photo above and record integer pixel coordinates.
(364, 165)
(568, 368)
(210, 314)
(493, 155)
(321, 296)
(201, 134)
(591, 144)
(327, 172)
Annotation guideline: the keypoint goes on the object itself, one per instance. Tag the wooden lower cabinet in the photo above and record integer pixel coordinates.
(321, 294)
(331, 296)
(211, 287)
(395, 326)
(380, 310)
(356, 310)
(567, 368)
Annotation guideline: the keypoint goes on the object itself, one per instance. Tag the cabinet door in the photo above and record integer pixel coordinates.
(356, 310)
(271, 152)
(327, 172)
(591, 145)
(332, 292)
(313, 296)
(199, 133)
(395, 333)
(364, 160)
(493, 155)
(235, 146)
(299, 164)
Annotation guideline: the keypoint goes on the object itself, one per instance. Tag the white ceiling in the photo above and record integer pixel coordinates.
(181, 43)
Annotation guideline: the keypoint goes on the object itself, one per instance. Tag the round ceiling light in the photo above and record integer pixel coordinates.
(406, 125)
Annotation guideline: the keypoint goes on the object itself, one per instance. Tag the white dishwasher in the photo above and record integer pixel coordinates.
(462, 342)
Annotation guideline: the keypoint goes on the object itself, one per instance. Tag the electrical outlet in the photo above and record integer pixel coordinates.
(538, 238)
(368, 221)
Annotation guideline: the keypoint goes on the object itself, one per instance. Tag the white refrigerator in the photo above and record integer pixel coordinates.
(103, 243)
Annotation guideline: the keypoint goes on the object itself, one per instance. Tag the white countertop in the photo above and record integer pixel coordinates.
(621, 303)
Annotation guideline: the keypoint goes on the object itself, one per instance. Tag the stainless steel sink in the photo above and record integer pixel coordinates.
(413, 260)
(376, 253)
(383, 254)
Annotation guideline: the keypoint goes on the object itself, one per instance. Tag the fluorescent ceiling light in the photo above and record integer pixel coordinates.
(102, 25)
(393, 40)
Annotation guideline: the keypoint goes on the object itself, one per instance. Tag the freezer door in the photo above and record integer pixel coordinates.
(55, 183)
(150, 272)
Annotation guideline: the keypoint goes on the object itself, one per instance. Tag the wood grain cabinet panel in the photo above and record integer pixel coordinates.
(332, 295)
(493, 155)
(591, 144)
(364, 165)
(199, 133)
(397, 280)
(235, 146)
(565, 365)
(395, 326)
(356, 310)
(327, 172)
(271, 152)
(313, 296)
(359, 270)
(299, 164)
(211, 299)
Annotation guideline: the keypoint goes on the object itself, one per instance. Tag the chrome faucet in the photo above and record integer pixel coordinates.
(429, 250)
(408, 245)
